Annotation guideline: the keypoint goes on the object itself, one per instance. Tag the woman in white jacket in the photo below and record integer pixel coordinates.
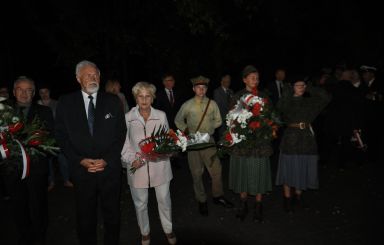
(141, 121)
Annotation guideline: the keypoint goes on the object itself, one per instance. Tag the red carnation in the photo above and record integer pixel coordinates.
(256, 109)
(13, 128)
(254, 125)
(228, 137)
(173, 135)
(148, 147)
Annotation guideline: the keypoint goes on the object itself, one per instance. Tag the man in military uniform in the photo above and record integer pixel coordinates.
(202, 114)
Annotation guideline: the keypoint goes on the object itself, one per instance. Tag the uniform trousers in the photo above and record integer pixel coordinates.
(198, 161)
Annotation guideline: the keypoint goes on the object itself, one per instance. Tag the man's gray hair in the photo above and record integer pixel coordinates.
(23, 79)
(83, 63)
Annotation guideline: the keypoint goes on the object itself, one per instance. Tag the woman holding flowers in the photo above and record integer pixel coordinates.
(251, 130)
(141, 121)
(297, 166)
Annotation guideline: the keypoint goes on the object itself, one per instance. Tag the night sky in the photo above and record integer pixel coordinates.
(137, 40)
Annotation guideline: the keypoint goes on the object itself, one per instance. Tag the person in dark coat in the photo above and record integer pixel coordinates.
(223, 96)
(169, 99)
(297, 167)
(275, 88)
(28, 196)
(345, 114)
(374, 106)
(91, 130)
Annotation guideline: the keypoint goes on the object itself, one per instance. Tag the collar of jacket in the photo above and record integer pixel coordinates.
(135, 115)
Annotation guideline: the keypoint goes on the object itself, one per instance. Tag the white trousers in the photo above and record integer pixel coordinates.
(163, 196)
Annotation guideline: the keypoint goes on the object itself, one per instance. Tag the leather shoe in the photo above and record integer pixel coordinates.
(223, 202)
(171, 238)
(145, 240)
(203, 208)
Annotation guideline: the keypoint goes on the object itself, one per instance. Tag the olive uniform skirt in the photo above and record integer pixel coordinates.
(250, 174)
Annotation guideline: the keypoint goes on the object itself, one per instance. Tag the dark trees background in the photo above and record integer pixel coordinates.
(136, 40)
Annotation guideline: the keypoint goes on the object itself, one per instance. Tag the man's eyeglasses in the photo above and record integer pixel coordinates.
(27, 91)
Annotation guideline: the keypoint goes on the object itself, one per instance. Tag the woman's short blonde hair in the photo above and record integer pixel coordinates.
(140, 86)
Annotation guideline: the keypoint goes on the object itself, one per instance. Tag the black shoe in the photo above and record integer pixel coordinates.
(223, 202)
(258, 213)
(203, 208)
(243, 210)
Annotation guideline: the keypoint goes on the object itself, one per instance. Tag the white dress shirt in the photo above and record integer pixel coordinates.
(279, 85)
(86, 100)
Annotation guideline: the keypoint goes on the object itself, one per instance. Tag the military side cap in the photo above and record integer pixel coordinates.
(200, 80)
(248, 70)
(365, 68)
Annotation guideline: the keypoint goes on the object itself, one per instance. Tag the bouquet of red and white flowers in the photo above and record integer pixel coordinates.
(164, 143)
(19, 141)
(250, 123)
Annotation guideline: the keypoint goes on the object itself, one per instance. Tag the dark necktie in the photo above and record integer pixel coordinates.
(279, 89)
(171, 99)
(91, 114)
(228, 93)
(22, 111)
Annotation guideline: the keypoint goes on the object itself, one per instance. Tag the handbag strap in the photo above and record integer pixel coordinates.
(202, 117)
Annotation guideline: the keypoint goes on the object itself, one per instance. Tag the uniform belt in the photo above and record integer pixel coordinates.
(300, 125)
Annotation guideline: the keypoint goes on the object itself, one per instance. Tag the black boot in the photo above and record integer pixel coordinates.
(243, 210)
(258, 213)
(288, 205)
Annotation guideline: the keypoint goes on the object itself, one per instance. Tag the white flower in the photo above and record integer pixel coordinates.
(182, 140)
(2, 107)
(15, 119)
(236, 138)
(244, 116)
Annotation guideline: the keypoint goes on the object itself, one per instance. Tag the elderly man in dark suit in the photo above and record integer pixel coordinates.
(223, 95)
(28, 196)
(90, 128)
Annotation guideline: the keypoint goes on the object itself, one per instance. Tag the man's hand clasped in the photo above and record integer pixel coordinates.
(93, 165)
